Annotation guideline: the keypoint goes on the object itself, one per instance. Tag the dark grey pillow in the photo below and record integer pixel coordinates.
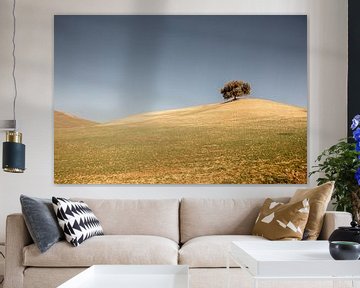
(41, 221)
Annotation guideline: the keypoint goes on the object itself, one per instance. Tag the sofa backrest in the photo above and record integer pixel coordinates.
(200, 217)
(159, 217)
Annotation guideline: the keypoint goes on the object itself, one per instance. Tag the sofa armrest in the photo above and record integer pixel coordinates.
(333, 220)
(17, 237)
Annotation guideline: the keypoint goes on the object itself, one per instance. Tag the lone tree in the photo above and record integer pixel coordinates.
(235, 89)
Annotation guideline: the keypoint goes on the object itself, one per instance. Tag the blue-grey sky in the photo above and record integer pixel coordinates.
(109, 67)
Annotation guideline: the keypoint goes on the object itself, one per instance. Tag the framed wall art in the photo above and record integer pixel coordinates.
(150, 99)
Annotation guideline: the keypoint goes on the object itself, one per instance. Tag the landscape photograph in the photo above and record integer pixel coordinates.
(200, 99)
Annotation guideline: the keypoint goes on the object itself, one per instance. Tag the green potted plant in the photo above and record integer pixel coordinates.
(341, 163)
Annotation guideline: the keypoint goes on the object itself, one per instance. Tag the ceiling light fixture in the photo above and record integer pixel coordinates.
(13, 149)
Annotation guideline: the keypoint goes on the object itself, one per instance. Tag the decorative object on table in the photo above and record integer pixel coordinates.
(351, 233)
(41, 221)
(341, 163)
(134, 105)
(13, 149)
(319, 198)
(279, 221)
(77, 220)
(344, 250)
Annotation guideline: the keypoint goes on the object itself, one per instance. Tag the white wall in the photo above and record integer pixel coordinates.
(327, 21)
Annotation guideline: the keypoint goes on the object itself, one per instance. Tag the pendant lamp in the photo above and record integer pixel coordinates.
(13, 160)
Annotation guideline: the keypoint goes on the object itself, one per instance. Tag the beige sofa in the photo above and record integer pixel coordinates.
(194, 232)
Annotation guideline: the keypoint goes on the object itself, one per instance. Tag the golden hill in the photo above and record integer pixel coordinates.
(248, 141)
(66, 120)
(248, 110)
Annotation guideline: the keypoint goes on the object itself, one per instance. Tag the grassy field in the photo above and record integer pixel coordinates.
(249, 141)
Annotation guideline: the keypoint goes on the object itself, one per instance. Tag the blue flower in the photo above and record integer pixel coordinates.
(357, 147)
(355, 122)
(356, 134)
(357, 176)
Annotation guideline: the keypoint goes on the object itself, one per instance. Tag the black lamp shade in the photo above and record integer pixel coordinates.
(13, 157)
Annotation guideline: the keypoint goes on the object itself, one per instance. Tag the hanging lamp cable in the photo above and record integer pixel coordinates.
(2, 276)
(14, 61)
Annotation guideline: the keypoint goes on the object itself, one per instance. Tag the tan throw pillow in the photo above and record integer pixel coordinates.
(319, 198)
(279, 221)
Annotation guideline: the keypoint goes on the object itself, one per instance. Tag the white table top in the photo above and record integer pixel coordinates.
(131, 276)
(291, 259)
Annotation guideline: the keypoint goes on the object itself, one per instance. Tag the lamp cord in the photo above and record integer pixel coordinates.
(2, 280)
(14, 61)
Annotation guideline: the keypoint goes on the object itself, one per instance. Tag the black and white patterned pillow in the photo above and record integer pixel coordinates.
(77, 220)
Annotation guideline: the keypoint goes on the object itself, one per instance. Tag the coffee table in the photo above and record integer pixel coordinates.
(292, 260)
(131, 276)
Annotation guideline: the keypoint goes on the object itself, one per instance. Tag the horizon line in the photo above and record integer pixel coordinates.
(186, 107)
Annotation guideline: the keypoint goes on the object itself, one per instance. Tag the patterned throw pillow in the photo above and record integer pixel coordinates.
(77, 220)
(319, 198)
(279, 221)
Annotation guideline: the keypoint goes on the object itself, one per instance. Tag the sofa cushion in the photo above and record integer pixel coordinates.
(107, 249)
(35, 277)
(41, 221)
(319, 198)
(76, 220)
(158, 217)
(211, 251)
(279, 221)
(200, 217)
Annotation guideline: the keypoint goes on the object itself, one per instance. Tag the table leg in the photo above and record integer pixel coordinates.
(228, 270)
(355, 283)
(255, 283)
(337, 283)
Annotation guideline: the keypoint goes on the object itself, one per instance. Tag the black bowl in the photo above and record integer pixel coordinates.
(344, 250)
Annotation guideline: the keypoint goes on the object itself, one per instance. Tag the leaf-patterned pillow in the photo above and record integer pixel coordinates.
(279, 221)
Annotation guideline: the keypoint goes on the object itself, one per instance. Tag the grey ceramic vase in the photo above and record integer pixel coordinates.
(344, 250)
